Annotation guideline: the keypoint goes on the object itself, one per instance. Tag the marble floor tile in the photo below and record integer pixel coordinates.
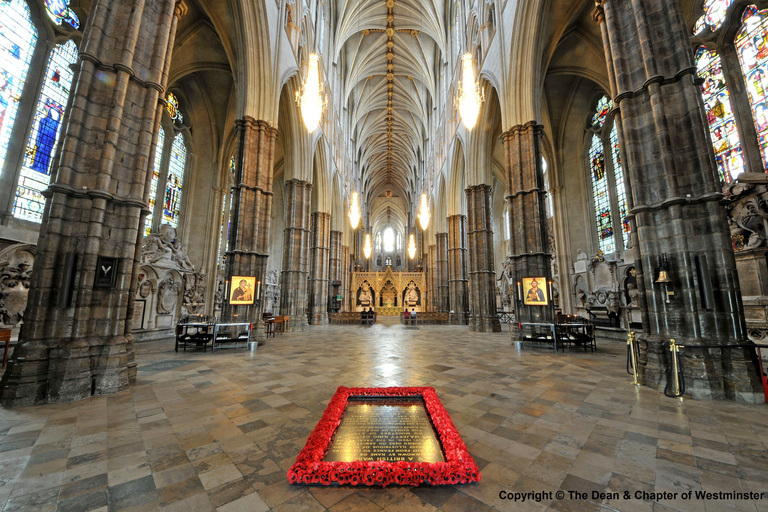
(219, 431)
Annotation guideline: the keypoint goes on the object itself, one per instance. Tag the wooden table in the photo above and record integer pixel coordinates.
(5, 336)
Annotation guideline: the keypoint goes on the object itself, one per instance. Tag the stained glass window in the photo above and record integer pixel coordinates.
(173, 108)
(752, 48)
(60, 12)
(621, 192)
(603, 107)
(602, 200)
(507, 228)
(722, 125)
(155, 179)
(17, 42)
(175, 182)
(38, 160)
(714, 15)
(226, 217)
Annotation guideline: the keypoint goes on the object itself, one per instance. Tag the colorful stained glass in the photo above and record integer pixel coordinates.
(601, 111)
(175, 182)
(18, 38)
(602, 200)
(224, 235)
(46, 128)
(155, 179)
(722, 125)
(621, 191)
(173, 108)
(752, 48)
(60, 12)
(714, 15)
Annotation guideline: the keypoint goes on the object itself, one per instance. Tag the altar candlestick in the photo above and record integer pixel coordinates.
(258, 290)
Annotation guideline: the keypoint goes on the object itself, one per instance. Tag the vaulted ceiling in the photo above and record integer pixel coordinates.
(389, 51)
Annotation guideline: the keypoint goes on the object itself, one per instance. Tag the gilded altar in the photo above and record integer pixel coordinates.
(388, 292)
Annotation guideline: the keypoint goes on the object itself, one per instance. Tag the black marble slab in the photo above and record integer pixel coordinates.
(386, 429)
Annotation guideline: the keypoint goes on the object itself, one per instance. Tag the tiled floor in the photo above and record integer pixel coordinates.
(219, 431)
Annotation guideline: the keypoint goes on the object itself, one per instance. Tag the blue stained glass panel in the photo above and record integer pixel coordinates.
(602, 201)
(175, 182)
(46, 129)
(18, 38)
(155, 178)
(60, 12)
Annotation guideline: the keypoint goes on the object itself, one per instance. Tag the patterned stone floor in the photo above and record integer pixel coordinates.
(219, 431)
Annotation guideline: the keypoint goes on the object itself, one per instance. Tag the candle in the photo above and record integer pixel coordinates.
(519, 291)
(258, 290)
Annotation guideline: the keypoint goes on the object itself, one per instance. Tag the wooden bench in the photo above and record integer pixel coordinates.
(5, 336)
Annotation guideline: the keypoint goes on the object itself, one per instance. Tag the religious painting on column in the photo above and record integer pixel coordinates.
(242, 291)
(535, 291)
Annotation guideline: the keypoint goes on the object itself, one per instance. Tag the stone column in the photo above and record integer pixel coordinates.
(345, 278)
(251, 213)
(528, 240)
(441, 274)
(320, 268)
(76, 338)
(482, 276)
(335, 264)
(293, 299)
(432, 281)
(675, 194)
(457, 267)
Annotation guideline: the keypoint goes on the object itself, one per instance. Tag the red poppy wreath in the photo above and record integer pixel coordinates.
(311, 469)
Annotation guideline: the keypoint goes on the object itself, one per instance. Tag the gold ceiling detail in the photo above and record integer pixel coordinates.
(391, 84)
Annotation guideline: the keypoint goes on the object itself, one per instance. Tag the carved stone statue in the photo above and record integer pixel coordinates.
(633, 294)
(164, 250)
(14, 283)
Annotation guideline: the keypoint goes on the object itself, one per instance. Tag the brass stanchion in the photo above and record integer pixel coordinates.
(674, 378)
(632, 348)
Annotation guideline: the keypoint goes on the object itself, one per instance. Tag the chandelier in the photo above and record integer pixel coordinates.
(311, 99)
(412, 247)
(354, 211)
(469, 94)
(367, 249)
(424, 212)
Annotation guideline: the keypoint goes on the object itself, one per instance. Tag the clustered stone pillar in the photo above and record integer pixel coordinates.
(457, 267)
(76, 338)
(432, 282)
(251, 213)
(293, 300)
(320, 267)
(335, 264)
(345, 278)
(441, 272)
(482, 276)
(528, 242)
(675, 194)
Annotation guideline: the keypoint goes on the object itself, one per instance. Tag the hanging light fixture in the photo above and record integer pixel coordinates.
(424, 212)
(412, 247)
(354, 211)
(367, 249)
(469, 94)
(310, 98)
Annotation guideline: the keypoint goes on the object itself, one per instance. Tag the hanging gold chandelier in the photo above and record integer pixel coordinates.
(412, 247)
(311, 99)
(424, 212)
(354, 211)
(469, 94)
(367, 249)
